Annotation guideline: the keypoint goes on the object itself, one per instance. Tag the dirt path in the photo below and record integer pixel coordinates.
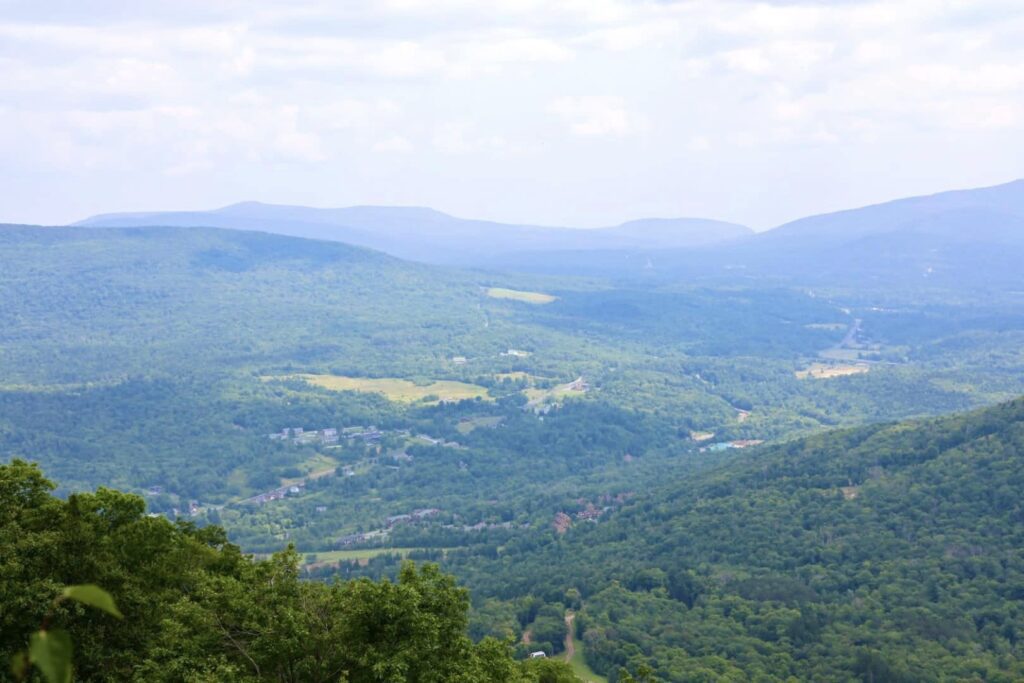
(570, 642)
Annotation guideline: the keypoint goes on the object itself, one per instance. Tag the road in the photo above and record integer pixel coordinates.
(850, 334)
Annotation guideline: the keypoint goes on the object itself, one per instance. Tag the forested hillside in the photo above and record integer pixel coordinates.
(570, 449)
(887, 553)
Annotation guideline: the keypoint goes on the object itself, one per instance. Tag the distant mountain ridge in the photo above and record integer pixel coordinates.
(925, 213)
(427, 235)
(962, 238)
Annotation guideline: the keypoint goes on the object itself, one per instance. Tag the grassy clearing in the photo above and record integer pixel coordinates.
(578, 662)
(314, 467)
(363, 555)
(519, 295)
(469, 424)
(555, 394)
(515, 376)
(840, 354)
(826, 371)
(400, 390)
(328, 556)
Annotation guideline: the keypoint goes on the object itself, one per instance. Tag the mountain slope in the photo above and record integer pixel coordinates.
(886, 553)
(967, 239)
(430, 236)
(94, 304)
(949, 214)
(961, 239)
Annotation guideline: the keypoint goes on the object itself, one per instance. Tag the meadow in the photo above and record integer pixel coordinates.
(400, 390)
(520, 295)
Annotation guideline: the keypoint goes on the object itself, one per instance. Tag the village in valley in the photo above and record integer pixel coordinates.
(329, 455)
(388, 448)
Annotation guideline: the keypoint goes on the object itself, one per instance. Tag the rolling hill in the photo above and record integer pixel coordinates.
(426, 235)
(885, 553)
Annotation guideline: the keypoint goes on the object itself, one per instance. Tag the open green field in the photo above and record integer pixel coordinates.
(519, 295)
(400, 390)
(468, 425)
(359, 555)
(313, 467)
(555, 394)
(579, 666)
(829, 371)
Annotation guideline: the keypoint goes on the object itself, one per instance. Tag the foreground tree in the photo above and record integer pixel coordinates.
(196, 609)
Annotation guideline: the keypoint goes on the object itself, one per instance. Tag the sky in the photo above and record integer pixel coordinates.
(557, 112)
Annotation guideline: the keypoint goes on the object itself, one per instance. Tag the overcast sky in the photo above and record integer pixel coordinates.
(573, 112)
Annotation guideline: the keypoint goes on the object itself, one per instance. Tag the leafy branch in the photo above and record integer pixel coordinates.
(50, 650)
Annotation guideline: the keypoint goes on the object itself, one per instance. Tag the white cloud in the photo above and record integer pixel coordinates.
(394, 143)
(595, 115)
(447, 89)
(699, 143)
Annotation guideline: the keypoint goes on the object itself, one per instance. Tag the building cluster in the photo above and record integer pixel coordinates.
(329, 435)
(414, 516)
(360, 537)
(391, 522)
(578, 384)
(277, 494)
(436, 441)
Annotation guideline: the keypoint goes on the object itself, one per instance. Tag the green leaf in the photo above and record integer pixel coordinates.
(50, 652)
(19, 665)
(93, 596)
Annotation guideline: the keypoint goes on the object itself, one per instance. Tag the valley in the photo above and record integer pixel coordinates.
(368, 411)
(628, 341)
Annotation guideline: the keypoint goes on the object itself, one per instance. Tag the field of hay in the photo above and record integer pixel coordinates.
(828, 371)
(399, 390)
(518, 295)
